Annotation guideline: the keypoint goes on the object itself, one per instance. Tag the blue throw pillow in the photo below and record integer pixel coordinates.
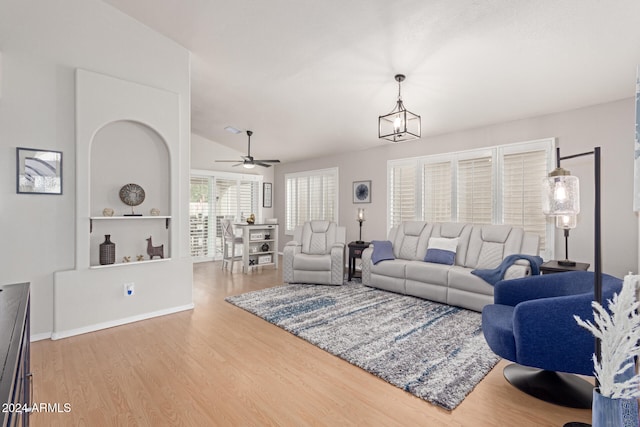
(382, 250)
(442, 250)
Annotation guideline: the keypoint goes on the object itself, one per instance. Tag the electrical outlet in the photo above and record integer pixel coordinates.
(129, 289)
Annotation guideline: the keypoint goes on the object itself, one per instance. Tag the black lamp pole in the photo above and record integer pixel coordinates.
(597, 250)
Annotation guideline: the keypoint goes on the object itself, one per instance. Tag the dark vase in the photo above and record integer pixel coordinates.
(265, 247)
(107, 251)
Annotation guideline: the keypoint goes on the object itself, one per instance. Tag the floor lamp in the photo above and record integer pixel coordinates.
(563, 199)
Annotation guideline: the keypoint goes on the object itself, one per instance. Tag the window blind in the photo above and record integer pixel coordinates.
(214, 198)
(475, 190)
(436, 191)
(310, 196)
(492, 185)
(522, 191)
(200, 211)
(402, 193)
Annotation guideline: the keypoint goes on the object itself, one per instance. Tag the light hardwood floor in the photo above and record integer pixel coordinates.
(219, 365)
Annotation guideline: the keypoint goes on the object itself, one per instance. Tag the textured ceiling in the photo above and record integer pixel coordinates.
(310, 78)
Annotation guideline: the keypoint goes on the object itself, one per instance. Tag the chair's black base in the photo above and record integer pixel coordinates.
(554, 387)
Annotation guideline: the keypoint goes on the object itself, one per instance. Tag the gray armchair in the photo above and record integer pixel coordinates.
(316, 254)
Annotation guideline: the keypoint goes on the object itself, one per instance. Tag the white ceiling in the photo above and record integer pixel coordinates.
(311, 77)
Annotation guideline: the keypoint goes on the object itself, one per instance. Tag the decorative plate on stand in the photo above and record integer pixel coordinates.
(132, 195)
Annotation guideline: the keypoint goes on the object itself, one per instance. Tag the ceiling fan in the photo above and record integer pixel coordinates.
(248, 161)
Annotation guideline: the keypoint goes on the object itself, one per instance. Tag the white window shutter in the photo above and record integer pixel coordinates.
(436, 192)
(522, 192)
(402, 193)
(311, 195)
(475, 191)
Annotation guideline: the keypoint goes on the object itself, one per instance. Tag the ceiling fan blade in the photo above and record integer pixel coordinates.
(268, 161)
(259, 163)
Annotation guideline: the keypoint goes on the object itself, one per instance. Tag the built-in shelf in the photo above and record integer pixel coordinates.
(124, 264)
(166, 218)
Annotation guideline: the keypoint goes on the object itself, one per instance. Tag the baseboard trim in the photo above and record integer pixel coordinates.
(40, 337)
(119, 322)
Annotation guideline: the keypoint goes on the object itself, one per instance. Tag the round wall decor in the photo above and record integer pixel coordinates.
(132, 194)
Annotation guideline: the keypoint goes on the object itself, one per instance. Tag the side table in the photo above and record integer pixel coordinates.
(355, 252)
(550, 267)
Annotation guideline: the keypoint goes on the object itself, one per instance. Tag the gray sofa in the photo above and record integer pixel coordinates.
(479, 247)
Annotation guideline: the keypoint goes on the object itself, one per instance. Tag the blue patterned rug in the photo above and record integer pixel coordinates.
(434, 351)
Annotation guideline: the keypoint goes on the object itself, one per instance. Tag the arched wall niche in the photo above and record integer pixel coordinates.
(124, 152)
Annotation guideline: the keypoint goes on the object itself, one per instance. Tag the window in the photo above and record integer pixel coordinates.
(214, 197)
(402, 200)
(310, 196)
(475, 192)
(199, 210)
(437, 191)
(499, 185)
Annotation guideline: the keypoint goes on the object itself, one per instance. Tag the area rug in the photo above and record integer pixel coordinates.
(434, 351)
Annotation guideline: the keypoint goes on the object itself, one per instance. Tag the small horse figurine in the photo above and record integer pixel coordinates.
(154, 250)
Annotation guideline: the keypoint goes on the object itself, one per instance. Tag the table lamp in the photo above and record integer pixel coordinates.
(566, 222)
(360, 219)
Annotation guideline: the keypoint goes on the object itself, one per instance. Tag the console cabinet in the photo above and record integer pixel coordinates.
(260, 245)
(15, 377)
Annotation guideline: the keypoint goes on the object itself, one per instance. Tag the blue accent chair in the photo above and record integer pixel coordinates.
(531, 323)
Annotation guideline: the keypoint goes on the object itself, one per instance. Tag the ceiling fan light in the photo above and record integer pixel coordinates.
(248, 165)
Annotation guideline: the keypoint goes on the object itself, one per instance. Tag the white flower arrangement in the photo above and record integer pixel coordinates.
(619, 333)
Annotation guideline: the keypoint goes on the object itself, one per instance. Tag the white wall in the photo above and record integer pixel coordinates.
(610, 126)
(42, 44)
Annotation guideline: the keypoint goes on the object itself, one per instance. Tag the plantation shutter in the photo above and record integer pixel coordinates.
(522, 192)
(475, 190)
(200, 213)
(248, 198)
(402, 193)
(310, 196)
(226, 198)
(437, 192)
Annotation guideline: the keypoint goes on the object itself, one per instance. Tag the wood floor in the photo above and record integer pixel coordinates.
(221, 366)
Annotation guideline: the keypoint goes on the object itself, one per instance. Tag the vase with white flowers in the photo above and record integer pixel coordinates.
(615, 400)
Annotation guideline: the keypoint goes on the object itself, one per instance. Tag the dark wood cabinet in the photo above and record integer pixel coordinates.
(550, 267)
(355, 252)
(15, 374)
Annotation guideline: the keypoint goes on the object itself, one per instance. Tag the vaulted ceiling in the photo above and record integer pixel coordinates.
(310, 78)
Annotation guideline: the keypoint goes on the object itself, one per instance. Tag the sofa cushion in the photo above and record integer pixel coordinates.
(442, 250)
(489, 244)
(410, 240)
(458, 230)
(312, 262)
(382, 250)
(391, 268)
(318, 237)
(461, 278)
(427, 272)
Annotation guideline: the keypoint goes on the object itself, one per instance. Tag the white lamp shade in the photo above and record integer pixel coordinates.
(566, 222)
(561, 195)
(360, 214)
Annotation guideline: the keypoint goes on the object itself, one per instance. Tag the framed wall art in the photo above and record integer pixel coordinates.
(361, 191)
(267, 195)
(38, 171)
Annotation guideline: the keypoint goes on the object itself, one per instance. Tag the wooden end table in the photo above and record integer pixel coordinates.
(355, 252)
(550, 267)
